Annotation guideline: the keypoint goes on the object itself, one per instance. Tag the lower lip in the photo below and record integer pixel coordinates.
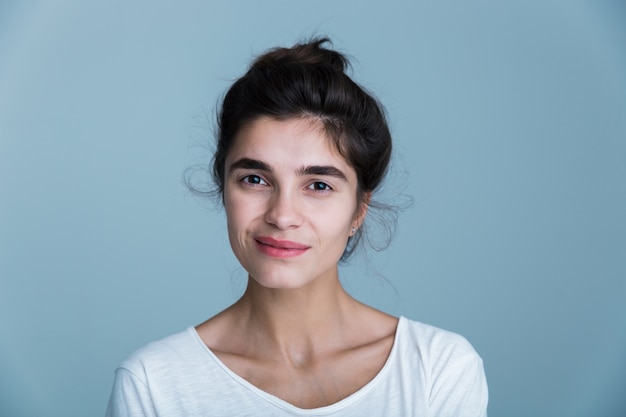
(275, 252)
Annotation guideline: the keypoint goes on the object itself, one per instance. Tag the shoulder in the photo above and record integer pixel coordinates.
(152, 379)
(433, 340)
(451, 371)
(437, 352)
(169, 352)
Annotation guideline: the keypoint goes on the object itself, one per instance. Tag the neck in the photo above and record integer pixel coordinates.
(296, 324)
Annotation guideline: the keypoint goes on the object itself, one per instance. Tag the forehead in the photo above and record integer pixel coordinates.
(297, 141)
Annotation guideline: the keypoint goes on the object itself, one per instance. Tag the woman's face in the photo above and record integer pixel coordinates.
(291, 202)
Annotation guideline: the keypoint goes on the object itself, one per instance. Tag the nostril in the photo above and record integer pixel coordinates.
(283, 212)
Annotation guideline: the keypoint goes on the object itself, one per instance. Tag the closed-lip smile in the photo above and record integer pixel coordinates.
(280, 248)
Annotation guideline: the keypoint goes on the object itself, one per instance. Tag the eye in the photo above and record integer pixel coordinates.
(254, 180)
(319, 186)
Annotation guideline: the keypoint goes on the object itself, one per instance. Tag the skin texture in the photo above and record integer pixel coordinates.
(291, 204)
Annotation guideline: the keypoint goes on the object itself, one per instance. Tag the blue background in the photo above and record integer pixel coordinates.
(510, 125)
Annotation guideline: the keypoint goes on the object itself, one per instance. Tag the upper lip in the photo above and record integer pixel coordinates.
(281, 244)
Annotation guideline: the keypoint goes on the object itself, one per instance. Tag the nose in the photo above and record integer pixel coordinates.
(283, 211)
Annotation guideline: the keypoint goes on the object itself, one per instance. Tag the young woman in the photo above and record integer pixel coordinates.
(301, 148)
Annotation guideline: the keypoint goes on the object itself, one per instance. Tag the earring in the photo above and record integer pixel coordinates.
(353, 230)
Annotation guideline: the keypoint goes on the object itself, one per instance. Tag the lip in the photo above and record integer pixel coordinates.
(280, 248)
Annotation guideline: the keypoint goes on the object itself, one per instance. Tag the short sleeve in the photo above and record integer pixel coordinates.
(130, 397)
(460, 389)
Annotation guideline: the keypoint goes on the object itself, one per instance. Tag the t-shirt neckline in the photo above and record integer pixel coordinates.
(327, 409)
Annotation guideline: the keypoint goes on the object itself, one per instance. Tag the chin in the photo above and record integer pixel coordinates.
(287, 276)
(279, 282)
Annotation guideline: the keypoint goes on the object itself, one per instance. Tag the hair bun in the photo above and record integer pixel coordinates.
(312, 52)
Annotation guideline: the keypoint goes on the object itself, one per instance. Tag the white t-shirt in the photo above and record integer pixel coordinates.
(429, 372)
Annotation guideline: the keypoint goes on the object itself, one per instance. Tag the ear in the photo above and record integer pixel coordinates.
(361, 211)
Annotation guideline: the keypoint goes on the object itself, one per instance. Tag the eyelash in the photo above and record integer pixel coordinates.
(326, 187)
(253, 179)
(258, 180)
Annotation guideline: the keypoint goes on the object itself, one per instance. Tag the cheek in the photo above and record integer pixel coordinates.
(233, 215)
(230, 201)
(236, 226)
(242, 214)
(338, 220)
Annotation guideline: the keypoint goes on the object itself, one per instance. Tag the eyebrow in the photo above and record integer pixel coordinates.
(323, 170)
(247, 163)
